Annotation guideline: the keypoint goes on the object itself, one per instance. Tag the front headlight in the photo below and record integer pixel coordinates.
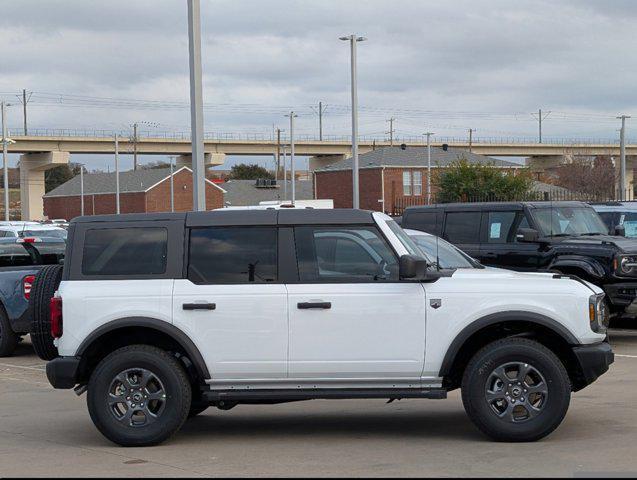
(627, 265)
(598, 313)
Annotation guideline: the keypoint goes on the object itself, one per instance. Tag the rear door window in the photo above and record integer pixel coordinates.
(499, 226)
(463, 227)
(233, 255)
(14, 255)
(125, 251)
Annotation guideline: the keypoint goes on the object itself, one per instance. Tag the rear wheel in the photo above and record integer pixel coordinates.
(139, 396)
(516, 390)
(44, 286)
(8, 338)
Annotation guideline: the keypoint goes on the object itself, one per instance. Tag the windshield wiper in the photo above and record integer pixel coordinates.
(592, 234)
(564, 235)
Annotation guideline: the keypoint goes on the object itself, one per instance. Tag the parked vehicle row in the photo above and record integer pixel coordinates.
(159, 316)
(565, 237)
(32, 229)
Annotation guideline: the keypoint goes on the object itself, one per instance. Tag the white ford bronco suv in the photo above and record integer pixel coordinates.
(159, 316)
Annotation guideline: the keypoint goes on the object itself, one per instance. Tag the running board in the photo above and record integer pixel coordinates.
(320, 394)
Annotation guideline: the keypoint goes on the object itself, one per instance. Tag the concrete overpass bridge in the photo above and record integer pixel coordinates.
(45, 149)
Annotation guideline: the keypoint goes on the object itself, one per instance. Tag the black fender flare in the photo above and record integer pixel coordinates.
(513, 316)
(152, 323)
(591, 267)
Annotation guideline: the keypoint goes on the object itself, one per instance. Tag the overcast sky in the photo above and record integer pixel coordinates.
(444, 66)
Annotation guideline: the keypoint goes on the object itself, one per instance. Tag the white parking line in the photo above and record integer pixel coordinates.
(626, 356)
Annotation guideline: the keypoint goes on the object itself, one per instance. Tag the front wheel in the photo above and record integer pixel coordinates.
(139, 396)
(516, 390)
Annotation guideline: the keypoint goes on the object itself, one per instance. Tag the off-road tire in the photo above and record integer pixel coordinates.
(8, 338)
(477, 376)
(161, 364)
(44, 286)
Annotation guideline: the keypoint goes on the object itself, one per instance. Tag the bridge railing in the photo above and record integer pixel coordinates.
(270, 137)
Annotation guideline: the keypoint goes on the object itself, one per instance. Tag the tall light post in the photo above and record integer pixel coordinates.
(82, 190)
(622, 157)
(5, 162)
(429, 134)
(285, 173)
(353, 40)
(172, 184)
(196, 105)
(117, 205)
(292, 116)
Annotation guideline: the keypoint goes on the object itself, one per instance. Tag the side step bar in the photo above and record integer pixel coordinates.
(320, 394)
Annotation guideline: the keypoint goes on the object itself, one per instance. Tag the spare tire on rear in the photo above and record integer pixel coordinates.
(44, 286)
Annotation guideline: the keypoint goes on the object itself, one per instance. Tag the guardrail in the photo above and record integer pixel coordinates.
(265, 137)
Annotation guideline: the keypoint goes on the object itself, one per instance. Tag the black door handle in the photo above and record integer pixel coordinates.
(199, 306)
(314, 305)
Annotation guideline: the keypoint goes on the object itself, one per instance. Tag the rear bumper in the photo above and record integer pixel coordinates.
(62, 372)
(594, 360)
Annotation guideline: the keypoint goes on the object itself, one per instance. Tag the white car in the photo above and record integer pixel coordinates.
(31, 229)
(159, 316)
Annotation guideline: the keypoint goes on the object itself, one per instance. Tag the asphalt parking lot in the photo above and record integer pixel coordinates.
(44, 432)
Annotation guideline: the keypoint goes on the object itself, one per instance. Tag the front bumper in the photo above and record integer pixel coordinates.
(62, 372)
(594, 360)
(622, 296)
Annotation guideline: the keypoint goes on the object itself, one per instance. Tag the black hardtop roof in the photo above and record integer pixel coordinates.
(223, 217)
(495, 205)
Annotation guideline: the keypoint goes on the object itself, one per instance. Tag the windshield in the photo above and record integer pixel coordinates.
(568, 221)
(449, 257)
(405, 239)
(52, 233)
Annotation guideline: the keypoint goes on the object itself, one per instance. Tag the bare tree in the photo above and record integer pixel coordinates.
(593, 177)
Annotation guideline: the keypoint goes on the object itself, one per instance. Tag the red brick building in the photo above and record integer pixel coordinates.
(391, 177)
(141, 191)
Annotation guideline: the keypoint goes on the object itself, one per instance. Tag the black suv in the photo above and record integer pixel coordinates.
(566, 237)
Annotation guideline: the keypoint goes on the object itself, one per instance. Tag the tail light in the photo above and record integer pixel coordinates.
(55, 312)
(27, 284)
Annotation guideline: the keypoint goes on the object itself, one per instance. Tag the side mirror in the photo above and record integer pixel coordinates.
(412, 267)
(527, 235)
(619, 231)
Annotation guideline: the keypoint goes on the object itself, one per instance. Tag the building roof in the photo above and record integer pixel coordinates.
(414, 157)
(242, 193)
(129, 182)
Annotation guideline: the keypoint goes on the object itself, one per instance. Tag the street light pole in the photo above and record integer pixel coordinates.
(429, 134)
(5, 164)
(82, 190)
(196, 105)
(117, 204)
(172, 185)
(292, 116)
(285, 173)
(354, 39)
(622, 157)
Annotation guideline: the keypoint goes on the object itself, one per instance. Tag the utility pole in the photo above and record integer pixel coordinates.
(292, 116)
(622, 157)
(82, 190)
(320, 121)
(540, 117)
(429, 134)
(5, 164)
(24, 100)
(285, 174)
(117, 204)
(391, 131)
(353, 40)
(135, 146)
(278, 153)
(172, 185)
(470, 139)
(196, 106)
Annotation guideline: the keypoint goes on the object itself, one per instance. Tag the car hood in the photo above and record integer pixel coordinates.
(626, 245)
(512, 279)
